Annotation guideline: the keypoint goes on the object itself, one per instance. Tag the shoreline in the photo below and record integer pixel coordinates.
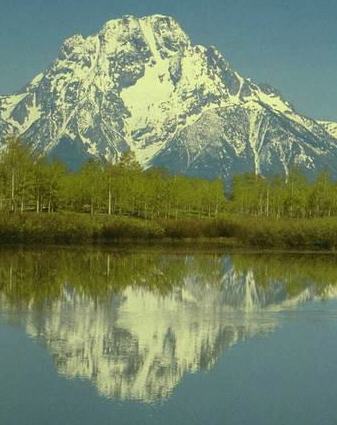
(204, 245)
(232, 232)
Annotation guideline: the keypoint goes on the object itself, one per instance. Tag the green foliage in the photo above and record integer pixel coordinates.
(293, 197)
(29, 182)
(123, 228)
(263, 232)
(105, 201)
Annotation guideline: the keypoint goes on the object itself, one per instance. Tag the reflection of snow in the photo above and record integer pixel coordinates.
(139, 344)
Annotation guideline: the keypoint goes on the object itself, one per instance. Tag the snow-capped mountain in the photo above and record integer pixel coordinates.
(140, 84)
(330, 127)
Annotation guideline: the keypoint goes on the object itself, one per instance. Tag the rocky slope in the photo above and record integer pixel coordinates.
(140, 84)
(330, 127)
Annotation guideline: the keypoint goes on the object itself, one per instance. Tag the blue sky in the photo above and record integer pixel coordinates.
(290, 44)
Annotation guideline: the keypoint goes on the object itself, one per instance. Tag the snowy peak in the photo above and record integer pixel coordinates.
(158, 33)
(330, 127)
(125, 40)
(140, 84)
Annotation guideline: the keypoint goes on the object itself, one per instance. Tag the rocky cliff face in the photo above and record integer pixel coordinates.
(140, 84)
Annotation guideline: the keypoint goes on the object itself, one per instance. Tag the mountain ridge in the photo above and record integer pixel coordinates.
(140, 84)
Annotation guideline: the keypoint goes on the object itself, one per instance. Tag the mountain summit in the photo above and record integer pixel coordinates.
(140, 84)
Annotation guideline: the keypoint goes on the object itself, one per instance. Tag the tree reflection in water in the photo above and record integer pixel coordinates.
(135, 323)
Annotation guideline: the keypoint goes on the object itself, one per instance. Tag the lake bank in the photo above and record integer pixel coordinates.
(319, 234)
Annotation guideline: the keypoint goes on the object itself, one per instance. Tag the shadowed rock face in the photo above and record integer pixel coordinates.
(135, 325)
(140, 84)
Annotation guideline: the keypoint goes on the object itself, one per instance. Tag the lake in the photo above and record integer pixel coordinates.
(167, 336)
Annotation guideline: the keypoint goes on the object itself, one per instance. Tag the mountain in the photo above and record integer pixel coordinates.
(330, 127)
(140, 84)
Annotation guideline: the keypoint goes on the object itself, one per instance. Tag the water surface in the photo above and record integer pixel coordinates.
(163, 337)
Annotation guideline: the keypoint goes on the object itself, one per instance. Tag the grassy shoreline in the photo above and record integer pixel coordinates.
(229, 231)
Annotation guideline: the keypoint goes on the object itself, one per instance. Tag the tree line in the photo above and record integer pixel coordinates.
(292, 197)
(31, 182)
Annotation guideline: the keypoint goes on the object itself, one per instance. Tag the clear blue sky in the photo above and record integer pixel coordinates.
(290, 44)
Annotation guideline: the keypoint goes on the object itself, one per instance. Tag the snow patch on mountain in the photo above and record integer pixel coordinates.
(140, 84)
(330, 127)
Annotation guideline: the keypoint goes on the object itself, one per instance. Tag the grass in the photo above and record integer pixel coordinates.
(69, 228)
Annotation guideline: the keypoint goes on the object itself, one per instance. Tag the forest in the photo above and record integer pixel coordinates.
(43, 201)
(30, 182)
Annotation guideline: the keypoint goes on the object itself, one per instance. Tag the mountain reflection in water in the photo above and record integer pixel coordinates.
(135, 323)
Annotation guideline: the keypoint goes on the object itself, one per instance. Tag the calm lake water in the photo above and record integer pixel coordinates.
(164, 337)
